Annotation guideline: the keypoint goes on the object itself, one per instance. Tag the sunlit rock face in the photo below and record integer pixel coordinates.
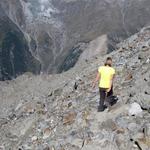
(51, 30)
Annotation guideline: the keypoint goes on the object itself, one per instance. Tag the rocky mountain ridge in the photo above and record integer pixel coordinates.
(59, 112)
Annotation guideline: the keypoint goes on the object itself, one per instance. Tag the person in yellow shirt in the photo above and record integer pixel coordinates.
(105, 76)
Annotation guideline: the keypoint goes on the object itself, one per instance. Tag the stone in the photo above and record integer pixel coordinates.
(34, 138)
(142, 56)
(29, 109)
(120, 131)
(91, 147)
(135, 109)
(22, 128)
(69, 104)
(46, 148)
(69, 118)
(133, 127)
(40, 108)
(50, 94)
(2, 148)
(12, 136)
(46, 133)
(78, 142)
(12, 116)
(120, 138)
(53, 148)
(3, 121)
(147, 130)
(58, 92)
(148, 61)
(98, 137)
(138, 136)
(129, 77)
(108, 125)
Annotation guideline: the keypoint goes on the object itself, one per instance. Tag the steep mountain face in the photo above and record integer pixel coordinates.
(59, 112)
(15, 56)
(50, 30)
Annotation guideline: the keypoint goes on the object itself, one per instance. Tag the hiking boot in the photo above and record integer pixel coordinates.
(101, 109)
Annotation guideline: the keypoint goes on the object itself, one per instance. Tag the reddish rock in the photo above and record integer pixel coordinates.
(69, 118)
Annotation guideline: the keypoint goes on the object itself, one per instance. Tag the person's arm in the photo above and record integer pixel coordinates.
(96, 80)
(111, 82)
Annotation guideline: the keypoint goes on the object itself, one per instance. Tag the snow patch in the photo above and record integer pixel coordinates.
(26, 9)
(46, 8)
(39, 10)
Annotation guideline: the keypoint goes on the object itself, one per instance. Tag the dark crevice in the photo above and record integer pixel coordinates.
(145, 109)
(144, 131)
(136, 143)
(71, 59)
(131, 140)
(83, 143)
(75, 86)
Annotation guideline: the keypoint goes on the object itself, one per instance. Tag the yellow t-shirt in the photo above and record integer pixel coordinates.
(106, 74)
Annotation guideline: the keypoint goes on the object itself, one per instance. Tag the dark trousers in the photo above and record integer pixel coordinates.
(103, 95)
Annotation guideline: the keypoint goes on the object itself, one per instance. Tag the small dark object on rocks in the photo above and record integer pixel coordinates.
(49, 95)
(145, 79)
(75, 86)
(130, 95)
(147, 93)
(69, 104)
(12, 116)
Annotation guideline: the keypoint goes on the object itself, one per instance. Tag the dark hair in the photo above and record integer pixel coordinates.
(109, 58)
(106, 63)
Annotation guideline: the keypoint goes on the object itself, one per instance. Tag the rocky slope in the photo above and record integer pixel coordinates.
(43, 35)
(59, 112)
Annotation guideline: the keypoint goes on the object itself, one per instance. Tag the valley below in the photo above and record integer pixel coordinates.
(48, 36)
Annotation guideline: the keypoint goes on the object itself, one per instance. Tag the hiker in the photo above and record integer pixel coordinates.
(105, 76)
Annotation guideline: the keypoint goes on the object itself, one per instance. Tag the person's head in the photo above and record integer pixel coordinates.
(108, 61)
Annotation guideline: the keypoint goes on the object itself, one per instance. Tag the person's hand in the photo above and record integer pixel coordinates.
(93, 85)
(108, 90)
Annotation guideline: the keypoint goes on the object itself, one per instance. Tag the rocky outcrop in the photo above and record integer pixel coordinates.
(53, 29)
(15, 55)
(60, 111)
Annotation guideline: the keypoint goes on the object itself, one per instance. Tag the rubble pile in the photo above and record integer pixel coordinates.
(60, 112)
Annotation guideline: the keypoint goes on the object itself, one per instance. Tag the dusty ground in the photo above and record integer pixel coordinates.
(52, 113)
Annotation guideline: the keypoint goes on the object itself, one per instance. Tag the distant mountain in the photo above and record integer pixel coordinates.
(41, 35)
